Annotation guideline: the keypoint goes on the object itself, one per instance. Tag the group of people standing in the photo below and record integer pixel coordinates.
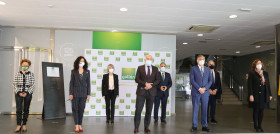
(153, 88)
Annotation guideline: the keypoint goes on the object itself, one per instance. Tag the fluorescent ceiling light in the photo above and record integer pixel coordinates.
(123, 9)
(238, 52)
(185, 43)
(233, 16)
(200, 35)
(2, 3)
(245, 9)
(258, 46)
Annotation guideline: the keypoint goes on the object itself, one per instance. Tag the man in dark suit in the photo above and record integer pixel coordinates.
(201, 80)
(215, 91)
(162, 93)
(147, 78)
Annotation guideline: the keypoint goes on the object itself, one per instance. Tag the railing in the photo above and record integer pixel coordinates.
(233, 84)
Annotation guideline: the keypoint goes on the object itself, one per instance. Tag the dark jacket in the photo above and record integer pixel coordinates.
(105, 84)
(141, 78)
(217, 85)
(166, 82)
(254, 86)
(80, 87)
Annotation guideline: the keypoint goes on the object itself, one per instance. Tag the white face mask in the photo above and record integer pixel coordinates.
(111, 70)
(259, 66)
(148, 62)
(201, 62)
(81, 64)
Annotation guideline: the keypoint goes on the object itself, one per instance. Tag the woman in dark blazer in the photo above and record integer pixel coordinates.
(79, 90)
(110, 90)
(259, 92)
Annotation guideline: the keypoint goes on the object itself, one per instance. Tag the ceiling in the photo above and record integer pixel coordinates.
(158, 16)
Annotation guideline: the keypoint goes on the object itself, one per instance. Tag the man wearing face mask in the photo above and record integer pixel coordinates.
(147, 78)
(201, 80)
(215, 91)
(162, 93)
(110, 91)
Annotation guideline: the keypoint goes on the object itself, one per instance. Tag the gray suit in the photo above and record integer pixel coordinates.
(142, 94)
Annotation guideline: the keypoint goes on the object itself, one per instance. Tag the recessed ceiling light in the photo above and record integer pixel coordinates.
(218, 39)
(233, 16)
(2, 3)
(258, 46)
(185, 43)
(123, 9)
(238, 52)
(200, 35)
(114, 30)
(50, 6)
(245, 9)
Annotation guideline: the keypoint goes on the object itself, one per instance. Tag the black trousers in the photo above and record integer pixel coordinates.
(163, 100)
(140, 102)
(78, 107)
(258, 117)
(110, 100)
(22, 104)
(211, 107)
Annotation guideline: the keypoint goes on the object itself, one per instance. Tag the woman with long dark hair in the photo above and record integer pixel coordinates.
(259, 92)
(79, 90)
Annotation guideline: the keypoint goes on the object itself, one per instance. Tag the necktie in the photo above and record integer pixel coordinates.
(213, 78)
(148, 75)
(201, 70)
(162, 75)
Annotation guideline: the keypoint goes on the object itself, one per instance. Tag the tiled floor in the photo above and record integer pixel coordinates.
(231, 119)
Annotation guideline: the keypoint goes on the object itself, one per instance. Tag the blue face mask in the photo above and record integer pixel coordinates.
(148, 62)
(162, 69)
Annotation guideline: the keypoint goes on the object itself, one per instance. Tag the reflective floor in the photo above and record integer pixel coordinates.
(231, 119)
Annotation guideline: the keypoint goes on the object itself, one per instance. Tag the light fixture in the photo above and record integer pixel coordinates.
(258, 46)
(233, 16)
(123, 9)
(50, 6)
(245, 9)
(114, 30)
(199, 35)
(2, 3)
(185, 43)
(218, 39)
(238, 52)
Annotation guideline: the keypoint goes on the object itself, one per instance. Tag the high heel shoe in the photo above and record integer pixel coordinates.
(81, 130)
(23, 130)
(77, 131)
(17, 131)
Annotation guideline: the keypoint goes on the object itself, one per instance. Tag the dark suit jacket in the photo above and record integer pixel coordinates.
(141, 78)
(254, 85)
(166, 82)
(217, 84)
(199, 81)
(80, 87)
(105, 84)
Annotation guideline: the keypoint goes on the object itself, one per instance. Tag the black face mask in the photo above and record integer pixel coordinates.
(211, 67)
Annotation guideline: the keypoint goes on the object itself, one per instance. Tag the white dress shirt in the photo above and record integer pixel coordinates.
(111, 82)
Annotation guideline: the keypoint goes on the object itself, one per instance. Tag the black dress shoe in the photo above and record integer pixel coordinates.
(156, 120)
(257, 130)
(194, 129)
(136, 130)
(107, 121)
(214, 121)
(261, 130)
(163, 121)
(205, 129)
(112, 121)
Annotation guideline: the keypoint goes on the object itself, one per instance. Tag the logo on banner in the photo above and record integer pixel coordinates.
(146, 53)
(106, 58)
(98, 100)
(98, 88)
(93, 94)
(99, 76)
(105, 70)
(167, 112)
(116, 106)
(168, 66)
(112, 52)
(162, 60)
(86, 112)
(121, 100)
(127, 106)
(133, 100)
(121, 112)
(99, 64)
(94, 58)
(134, 53)
(100, 52)
(132, 112)
(140, 59)
(92, 106)
(93, 82)
(157, 54)
(157, 65)
(128, 73)
(129, 59)
(88, 63)
(118, 58)
(128, 94)
(98, 112)
(123, 53)
(93, 70)
(103, 106)
(88, 51)
(168, 54)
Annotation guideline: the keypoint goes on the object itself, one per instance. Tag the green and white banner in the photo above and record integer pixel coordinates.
(126, 63)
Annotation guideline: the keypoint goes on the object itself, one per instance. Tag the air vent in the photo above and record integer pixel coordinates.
(263, 43)
(202, 28)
